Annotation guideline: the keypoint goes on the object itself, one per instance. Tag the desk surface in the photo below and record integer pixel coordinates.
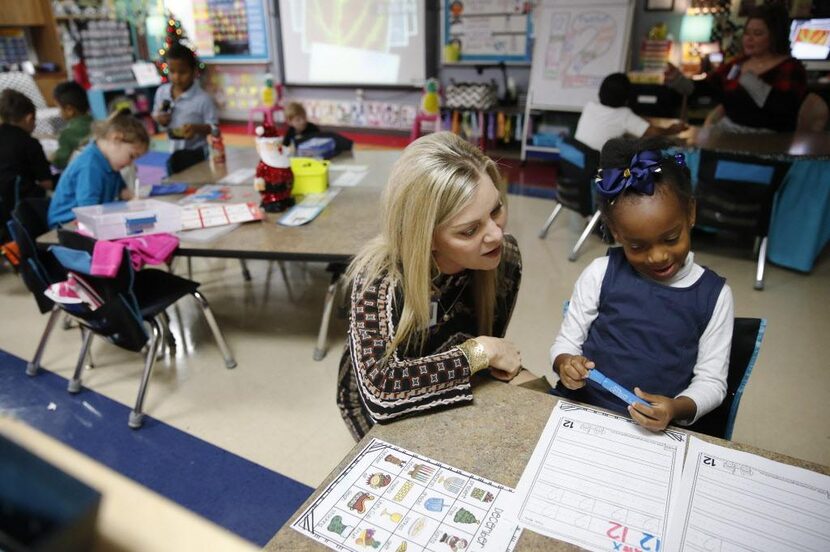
(494, 438)
(336, 235)
(131, 517)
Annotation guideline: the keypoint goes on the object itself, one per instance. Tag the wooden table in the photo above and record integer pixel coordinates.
(130, 517)
(335, 236)
(494, 438)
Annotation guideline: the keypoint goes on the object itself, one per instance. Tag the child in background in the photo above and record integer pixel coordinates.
(71, 97)
(647, 315)
(611, 118)
(298, 126)
(24, 170)
(182, 105)
(93, 177)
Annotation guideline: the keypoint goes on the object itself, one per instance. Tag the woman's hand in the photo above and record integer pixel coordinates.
(505, 359)
(572, 370)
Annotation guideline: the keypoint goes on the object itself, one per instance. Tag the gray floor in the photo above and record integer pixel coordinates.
(277, 408)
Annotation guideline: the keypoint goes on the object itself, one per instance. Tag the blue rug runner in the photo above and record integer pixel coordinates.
(243, 497)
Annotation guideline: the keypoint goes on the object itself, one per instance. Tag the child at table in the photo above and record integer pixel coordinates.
(647, 315)
(24, 170)
(612, 118)
(93, 177)
(299, 128)
(182, 105)
(74, 105)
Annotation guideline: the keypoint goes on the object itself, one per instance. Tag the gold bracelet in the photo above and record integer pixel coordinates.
(476, 355)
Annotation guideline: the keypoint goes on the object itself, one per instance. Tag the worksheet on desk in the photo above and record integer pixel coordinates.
(394, 500)
(733, 500)
(600, 481)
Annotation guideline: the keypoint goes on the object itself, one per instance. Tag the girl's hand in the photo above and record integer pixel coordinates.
(505, 360)
(188, 131)
(573, 369)
(126, 194)
(162, 118)
(655, 417)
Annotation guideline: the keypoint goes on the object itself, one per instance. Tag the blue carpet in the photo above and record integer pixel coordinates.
(245, 498)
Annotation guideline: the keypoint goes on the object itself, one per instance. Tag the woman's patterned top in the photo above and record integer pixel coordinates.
(372, 388)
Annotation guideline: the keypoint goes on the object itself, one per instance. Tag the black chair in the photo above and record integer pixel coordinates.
(578, 167)
(128, 301)
(38, 268)
(735, 193)
(746, 343)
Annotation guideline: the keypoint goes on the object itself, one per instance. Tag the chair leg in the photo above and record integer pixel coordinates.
(544, 231)
(322, 336)
(285, 280)
(189, 268)
(585, 233)
(230, 362)
(169, 338)
(75, 383)
(136, 418)
(762, 259)
(246, 274)
(34, 365)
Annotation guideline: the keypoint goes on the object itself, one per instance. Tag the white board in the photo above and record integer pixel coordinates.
(577, 45)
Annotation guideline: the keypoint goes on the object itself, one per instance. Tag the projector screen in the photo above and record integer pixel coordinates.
(353, 42)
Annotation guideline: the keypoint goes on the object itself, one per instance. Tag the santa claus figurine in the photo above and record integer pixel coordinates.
(273, 178)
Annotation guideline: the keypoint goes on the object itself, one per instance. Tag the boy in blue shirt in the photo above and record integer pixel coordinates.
(182, 105)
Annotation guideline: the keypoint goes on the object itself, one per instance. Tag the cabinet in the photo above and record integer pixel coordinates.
(35, 16)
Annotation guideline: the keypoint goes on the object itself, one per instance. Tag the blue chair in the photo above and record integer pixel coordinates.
(578, 166)
(747, 335)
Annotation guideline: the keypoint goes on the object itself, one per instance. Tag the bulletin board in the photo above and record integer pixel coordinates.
(577, 45)
(489, 31)
(225, 31)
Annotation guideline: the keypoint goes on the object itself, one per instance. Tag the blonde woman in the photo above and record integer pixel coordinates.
(432, 294)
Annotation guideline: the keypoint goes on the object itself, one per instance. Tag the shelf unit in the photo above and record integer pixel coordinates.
(36, 17)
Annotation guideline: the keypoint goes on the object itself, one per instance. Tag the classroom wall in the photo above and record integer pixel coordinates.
(644, 20)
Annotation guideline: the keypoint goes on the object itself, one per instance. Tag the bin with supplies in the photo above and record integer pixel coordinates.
(322, 148)
(311, 176)
(132, 218)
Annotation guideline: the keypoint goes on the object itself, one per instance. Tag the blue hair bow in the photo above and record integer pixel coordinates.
(638, 176)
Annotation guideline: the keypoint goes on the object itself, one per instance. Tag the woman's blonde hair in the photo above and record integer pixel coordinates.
(122, 121)
(434, 179)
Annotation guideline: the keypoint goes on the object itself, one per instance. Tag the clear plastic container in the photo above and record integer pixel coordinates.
(125, 219)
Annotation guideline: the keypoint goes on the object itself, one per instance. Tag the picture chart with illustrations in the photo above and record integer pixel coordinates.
(393, 500)
(733, 500)
(600, 481)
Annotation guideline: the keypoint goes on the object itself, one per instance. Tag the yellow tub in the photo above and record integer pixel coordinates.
(311, 176)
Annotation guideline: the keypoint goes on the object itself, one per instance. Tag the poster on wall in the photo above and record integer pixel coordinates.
(224, 31)
(487, 31)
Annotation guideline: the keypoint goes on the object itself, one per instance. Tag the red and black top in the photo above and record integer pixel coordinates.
(779, 112)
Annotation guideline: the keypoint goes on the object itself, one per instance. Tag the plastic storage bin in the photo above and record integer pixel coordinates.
(311, 176)
(133, 218)
(322, 148)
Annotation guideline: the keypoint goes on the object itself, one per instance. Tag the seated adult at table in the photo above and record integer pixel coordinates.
(433, 293)
(760, 90)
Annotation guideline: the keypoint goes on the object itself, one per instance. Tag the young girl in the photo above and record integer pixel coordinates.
(182, 105)
(93, 177)
(647, 316)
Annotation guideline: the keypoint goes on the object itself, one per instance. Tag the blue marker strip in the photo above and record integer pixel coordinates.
(614, 388)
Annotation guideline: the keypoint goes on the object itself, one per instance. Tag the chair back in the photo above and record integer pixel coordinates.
(578, 167)
(735, 192)
(747, 335)
(118, 317)
(184, 159)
